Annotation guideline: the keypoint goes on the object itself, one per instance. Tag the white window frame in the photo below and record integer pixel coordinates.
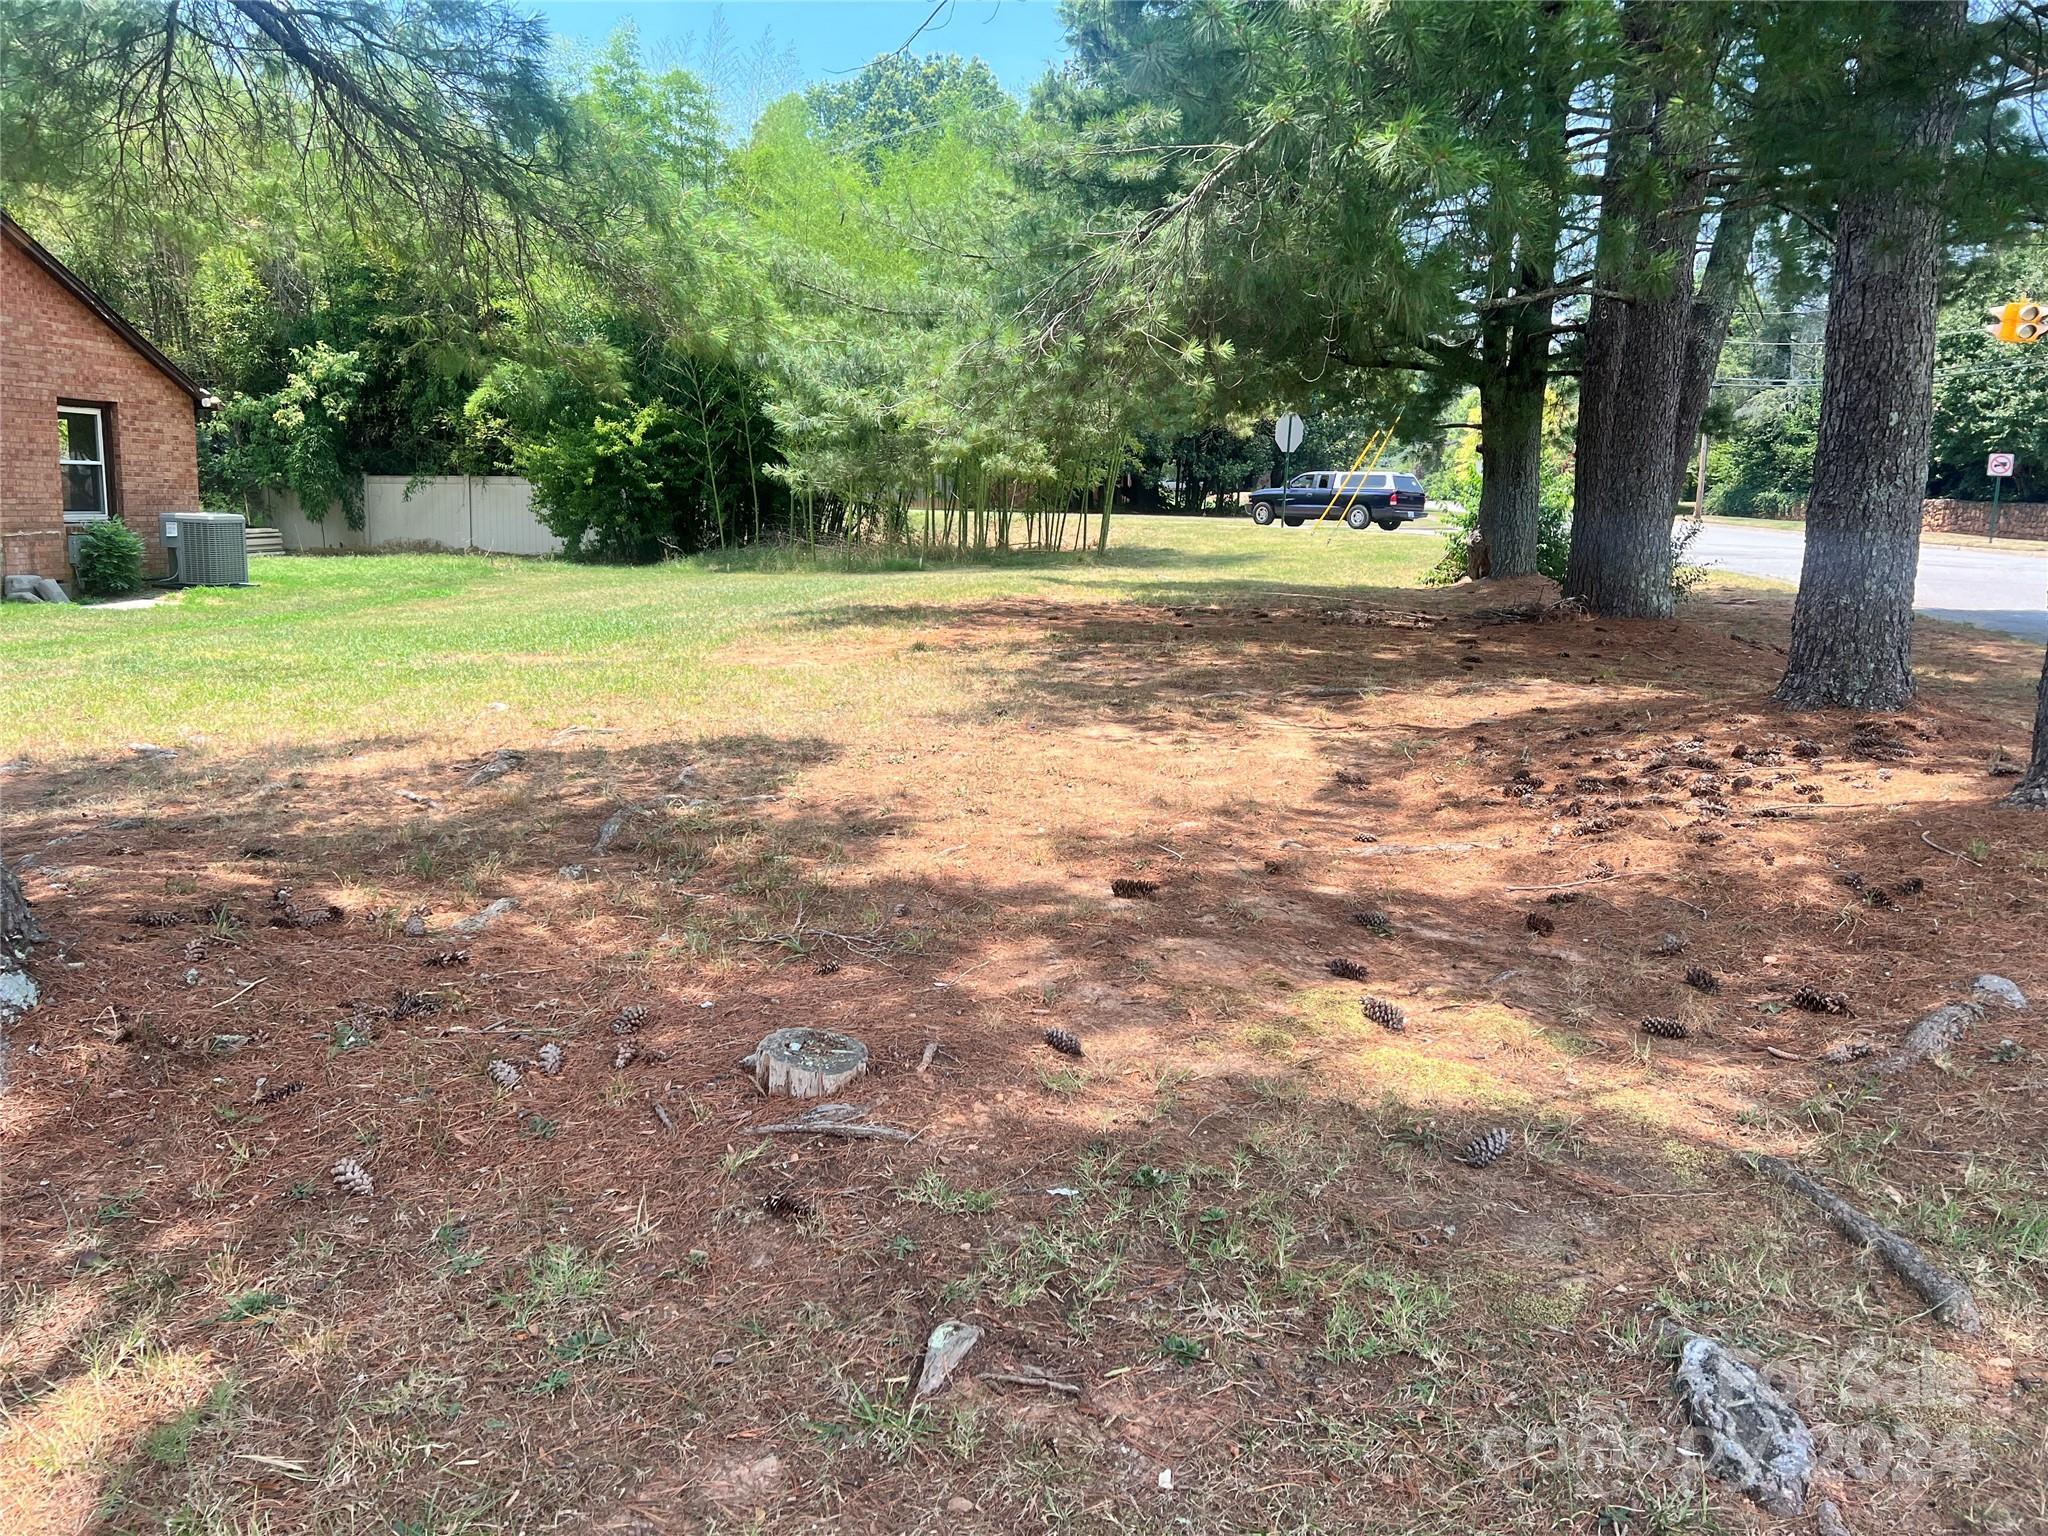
(106, 490)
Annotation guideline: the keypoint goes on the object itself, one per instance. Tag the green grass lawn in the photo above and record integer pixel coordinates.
(398, 645)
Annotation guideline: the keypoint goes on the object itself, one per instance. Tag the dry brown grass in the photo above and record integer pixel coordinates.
(1233, 1225)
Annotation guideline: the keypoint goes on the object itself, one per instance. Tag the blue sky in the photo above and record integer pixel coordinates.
(830, 39)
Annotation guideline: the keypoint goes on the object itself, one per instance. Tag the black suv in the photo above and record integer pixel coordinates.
(1381, 496)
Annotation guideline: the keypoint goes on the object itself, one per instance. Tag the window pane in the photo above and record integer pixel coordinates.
(84, 488)
(78, 436)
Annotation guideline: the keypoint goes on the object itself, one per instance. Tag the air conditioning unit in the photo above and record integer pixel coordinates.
(76, 525)
(207, 549)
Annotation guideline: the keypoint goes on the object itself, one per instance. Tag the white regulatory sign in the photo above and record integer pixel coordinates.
(1287, 432)
(1999, 466)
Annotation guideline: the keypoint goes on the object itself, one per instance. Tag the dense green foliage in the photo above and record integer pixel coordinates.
(418, 239)
(1764, 468)
(109, 560)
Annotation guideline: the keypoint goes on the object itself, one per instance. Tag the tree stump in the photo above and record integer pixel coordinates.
(806, 1063)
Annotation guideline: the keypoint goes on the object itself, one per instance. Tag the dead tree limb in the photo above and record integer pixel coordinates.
(846, 1120)
(1948, 1296)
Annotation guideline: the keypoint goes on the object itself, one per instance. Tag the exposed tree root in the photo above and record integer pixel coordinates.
(1948, 1296)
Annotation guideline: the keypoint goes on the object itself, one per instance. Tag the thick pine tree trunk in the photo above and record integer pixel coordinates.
(1515, 349)
(1511, 471)
(1635, 360)
(1712, 310)
(1636, 345)
(2032, 794)
(1852, 624)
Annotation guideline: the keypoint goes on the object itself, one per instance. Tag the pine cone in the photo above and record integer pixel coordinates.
(1539, 925)
(1065, 1041)
(1850, 879)
(1911, 886)
(1134, 890)
(157, 919)
(1670, 944)
(630, 1019)
(1880, 899)
(1485, 1149)
(1374, 922)
(788, 1205)
(353, 1178)
(550, 1058)
(623, 1056)
(1813, 1000)
(1383, 1013)
(828, 967)
(504, 1074)
(448, 959)
(1562, 898)
(1700, 979)
(1665, 1029)
(291, 915)
(278, 1094)
(414, 1005)
(1345, 970)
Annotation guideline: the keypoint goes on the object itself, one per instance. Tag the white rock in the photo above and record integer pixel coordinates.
(1998, 990)
(943, 1352)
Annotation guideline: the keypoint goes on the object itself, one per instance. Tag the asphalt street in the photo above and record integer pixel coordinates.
(2002, 587)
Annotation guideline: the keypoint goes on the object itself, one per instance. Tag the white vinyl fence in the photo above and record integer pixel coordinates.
(492, 514)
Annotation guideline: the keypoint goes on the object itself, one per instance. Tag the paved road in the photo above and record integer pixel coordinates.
(1995, 588)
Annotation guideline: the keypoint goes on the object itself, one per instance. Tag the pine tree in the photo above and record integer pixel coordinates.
(1852, 624)
(1639, 325)
(2032, 791)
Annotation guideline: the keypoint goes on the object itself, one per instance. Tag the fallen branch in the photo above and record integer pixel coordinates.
(1565, 885)
(844, 1120)
(1948, 1296)
(1402, 850)
(924, 1062)
(1951, 852)
(248, 987)
(1043, 1383)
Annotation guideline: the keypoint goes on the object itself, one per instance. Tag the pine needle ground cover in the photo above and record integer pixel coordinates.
(1229, 1271)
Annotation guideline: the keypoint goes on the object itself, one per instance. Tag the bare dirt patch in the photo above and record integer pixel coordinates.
(1229, 1272)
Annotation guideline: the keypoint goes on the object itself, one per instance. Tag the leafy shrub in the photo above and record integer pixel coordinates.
(1765, 468)
(626, 488)
(1554, 545)
(1553, 538)
(294, 440)
(109, 560)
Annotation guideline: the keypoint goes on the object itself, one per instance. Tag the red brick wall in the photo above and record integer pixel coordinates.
(53, 348)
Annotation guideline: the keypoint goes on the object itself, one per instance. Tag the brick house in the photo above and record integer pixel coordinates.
(94, 420)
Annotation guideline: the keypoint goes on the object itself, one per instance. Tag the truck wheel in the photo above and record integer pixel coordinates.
(1262, 513)
(1357, 518)
(1390, 524)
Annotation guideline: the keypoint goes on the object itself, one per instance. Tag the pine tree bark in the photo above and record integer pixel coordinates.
(1515, 347)
(2032, 794)
(1713, 308)
(1852, 624)
(1511, 469)
(1636, 333)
